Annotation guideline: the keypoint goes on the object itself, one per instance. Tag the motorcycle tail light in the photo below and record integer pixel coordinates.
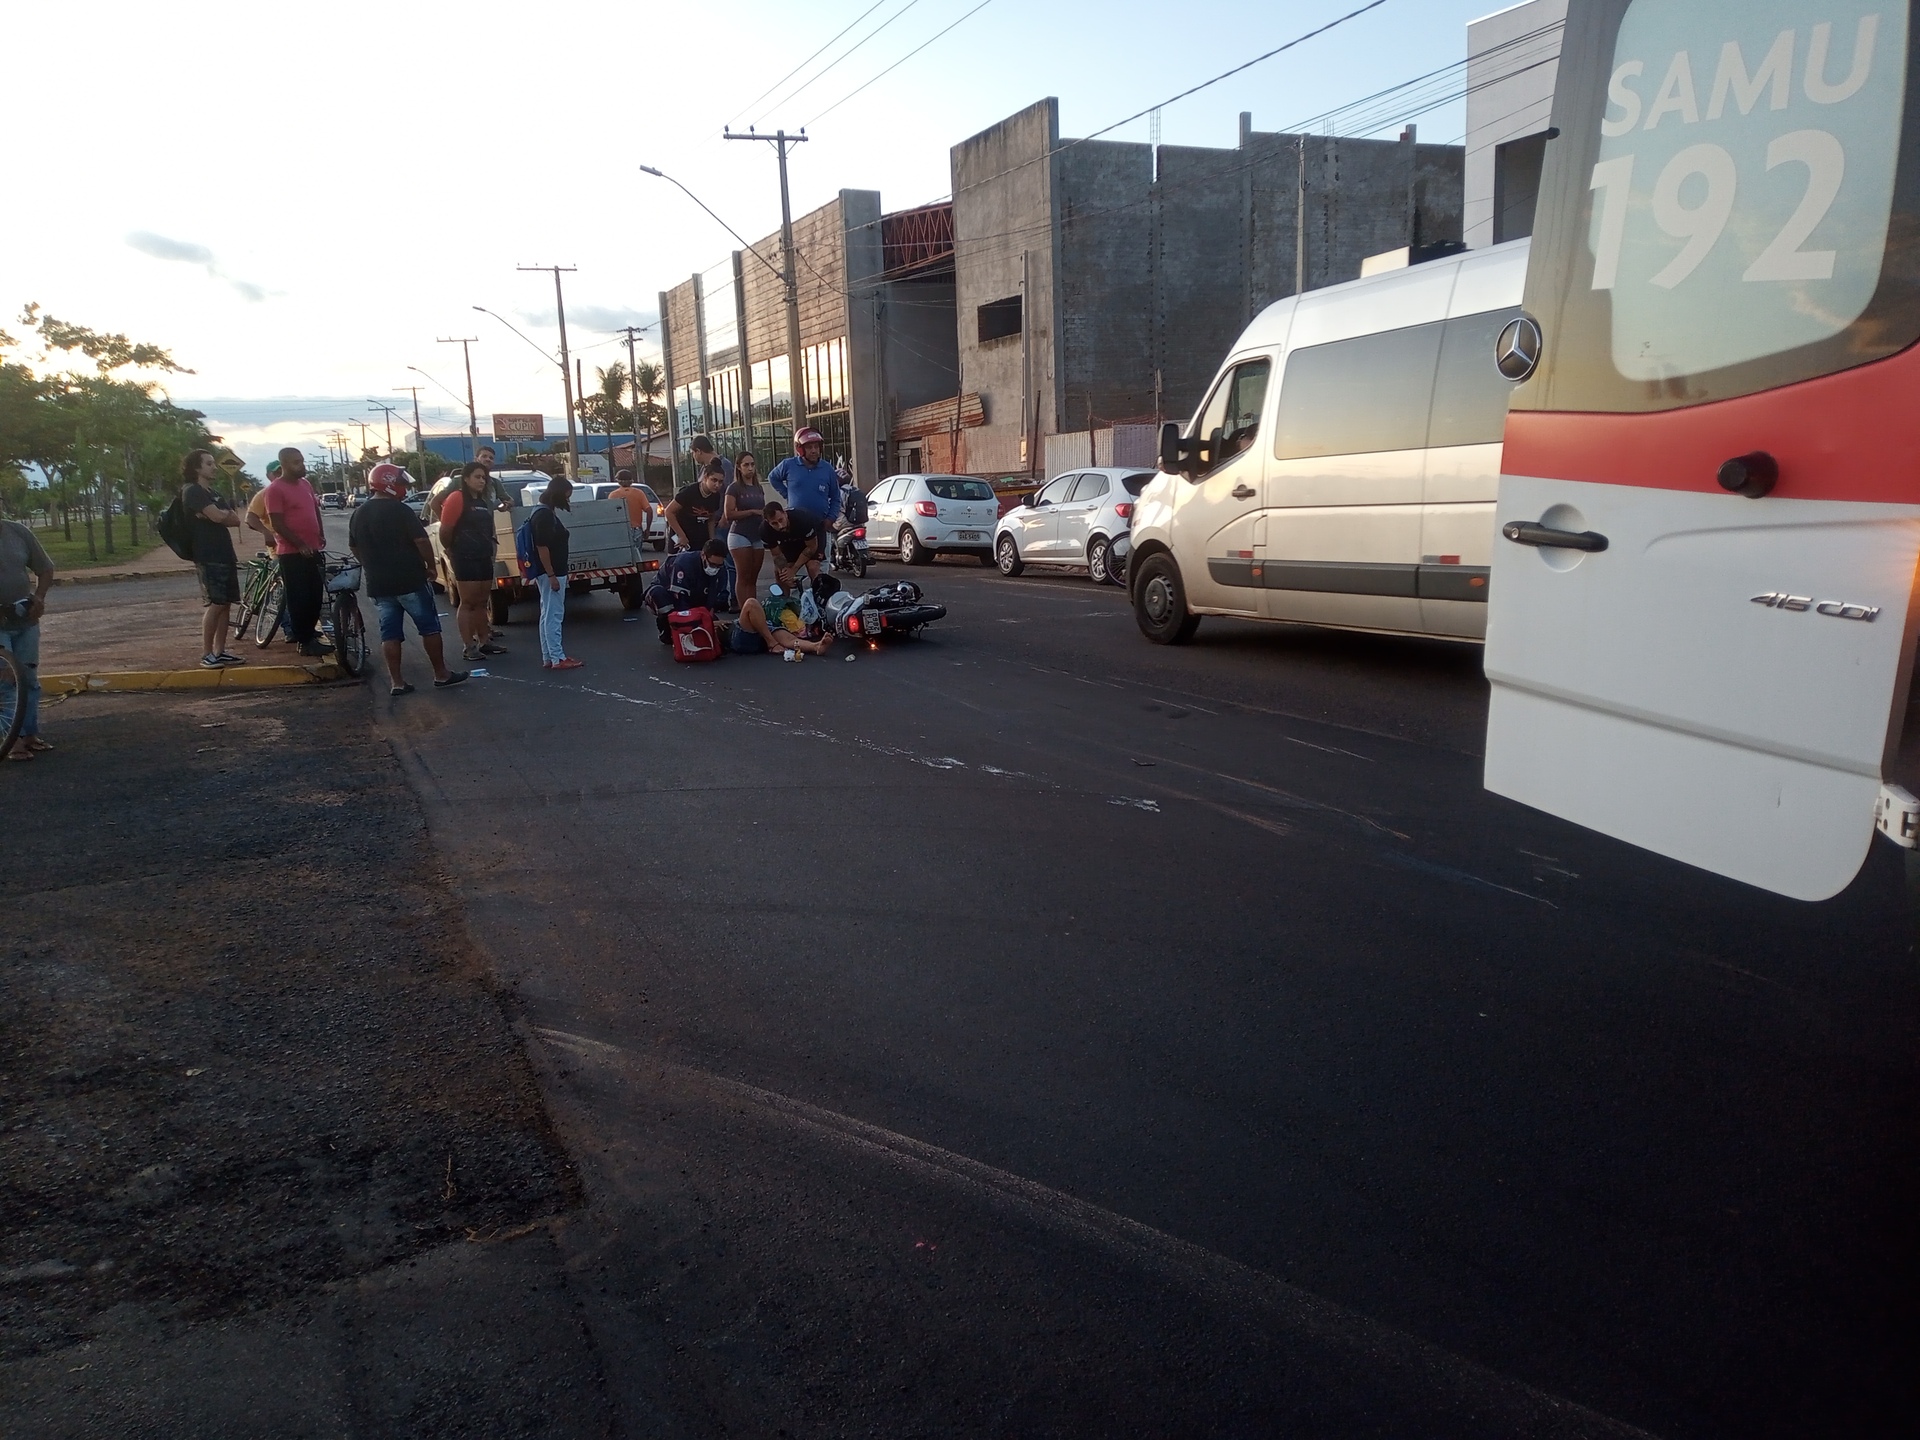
(1124, 510)
(860, 532)
(853, 625)
(925, 507)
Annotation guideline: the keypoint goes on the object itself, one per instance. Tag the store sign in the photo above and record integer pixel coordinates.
(519, 427)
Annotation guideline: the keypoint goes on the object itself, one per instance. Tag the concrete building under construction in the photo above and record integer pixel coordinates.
(1070, 295)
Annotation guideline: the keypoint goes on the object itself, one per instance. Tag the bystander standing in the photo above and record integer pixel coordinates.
(468, 537)
(391, 544)
(299, 537)
(26, 574)
(213, 558)
(550, 544)
(639, 508)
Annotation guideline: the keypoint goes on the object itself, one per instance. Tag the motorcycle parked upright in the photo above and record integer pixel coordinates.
(850, 554)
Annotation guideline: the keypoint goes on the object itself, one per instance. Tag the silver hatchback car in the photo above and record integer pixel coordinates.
(1073, 520)
(921, 516)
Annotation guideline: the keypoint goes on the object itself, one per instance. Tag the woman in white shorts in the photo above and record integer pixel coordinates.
(746, 502)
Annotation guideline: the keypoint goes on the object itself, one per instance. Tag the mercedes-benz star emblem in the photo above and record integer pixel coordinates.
(1517, 351)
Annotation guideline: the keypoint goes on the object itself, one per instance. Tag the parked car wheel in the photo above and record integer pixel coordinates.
(1008, 557)
(1160, 603)
(912, 552)
(1100, 561)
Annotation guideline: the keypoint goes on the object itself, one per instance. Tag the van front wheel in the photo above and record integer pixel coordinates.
(1160, 603)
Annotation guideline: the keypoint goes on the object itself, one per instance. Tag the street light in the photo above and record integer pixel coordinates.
(472, 418)
(510, 325)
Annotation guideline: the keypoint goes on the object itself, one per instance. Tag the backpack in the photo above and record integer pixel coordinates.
(853, 507)
(174, 527)
(693, 635)
(526, 551)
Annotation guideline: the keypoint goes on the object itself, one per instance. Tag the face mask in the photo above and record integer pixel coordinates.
(712, 570)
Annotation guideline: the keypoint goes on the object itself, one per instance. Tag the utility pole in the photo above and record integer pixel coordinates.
(419, 435)
(1300, 222)
(376, 405)
(363, 435)
(473, 415)
(566, 365)
(633, 378)
(796, 374)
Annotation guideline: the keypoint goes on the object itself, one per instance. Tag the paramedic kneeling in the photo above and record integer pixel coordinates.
(691, 579)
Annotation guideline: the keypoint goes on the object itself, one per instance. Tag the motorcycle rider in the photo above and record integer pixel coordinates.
(808, 485)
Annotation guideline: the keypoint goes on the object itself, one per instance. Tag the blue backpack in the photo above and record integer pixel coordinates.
(525, 550)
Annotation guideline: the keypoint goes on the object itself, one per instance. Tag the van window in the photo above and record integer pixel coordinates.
(1470, 394)
(1234, 411)
(1353, 397)
(964, 489)
(1091, 487)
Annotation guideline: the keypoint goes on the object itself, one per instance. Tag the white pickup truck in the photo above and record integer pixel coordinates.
(601, 553)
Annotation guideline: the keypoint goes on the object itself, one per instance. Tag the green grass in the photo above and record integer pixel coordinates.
(72, 554)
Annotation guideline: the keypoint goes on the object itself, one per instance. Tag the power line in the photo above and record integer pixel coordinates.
(804, 63)
(903, 60)
(789, 98)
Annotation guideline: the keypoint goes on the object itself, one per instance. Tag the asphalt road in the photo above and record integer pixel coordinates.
(1030, 1030)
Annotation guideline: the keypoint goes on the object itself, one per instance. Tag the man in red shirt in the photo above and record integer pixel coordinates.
(298, 539)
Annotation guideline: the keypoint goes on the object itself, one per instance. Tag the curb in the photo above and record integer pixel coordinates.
(251, 677)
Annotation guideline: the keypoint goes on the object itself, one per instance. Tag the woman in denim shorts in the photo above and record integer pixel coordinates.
(745, 503)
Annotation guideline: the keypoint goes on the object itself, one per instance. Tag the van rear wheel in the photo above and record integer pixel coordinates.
(1160, 603)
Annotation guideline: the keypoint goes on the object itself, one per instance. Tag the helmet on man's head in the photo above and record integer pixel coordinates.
(804, 438)
(388, 479)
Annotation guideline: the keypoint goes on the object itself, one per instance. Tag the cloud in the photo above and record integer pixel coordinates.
(161, 248)
(608, 318)
(185, 252)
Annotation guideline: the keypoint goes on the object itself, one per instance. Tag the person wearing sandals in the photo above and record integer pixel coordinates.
(26, 574)
(550, 544)
(745, 503)
(393, 550)
(467, 535)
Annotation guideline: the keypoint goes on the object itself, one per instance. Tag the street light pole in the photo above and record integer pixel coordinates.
(796, 381)
(473, 416)
(419, 435)
(376, 405)
(566, 365)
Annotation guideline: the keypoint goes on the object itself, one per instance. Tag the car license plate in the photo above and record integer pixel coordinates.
(970, 534)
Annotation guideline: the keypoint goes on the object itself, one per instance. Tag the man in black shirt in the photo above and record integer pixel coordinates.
(213, 556)
(393, 550)
(793, 540)
(691, 513)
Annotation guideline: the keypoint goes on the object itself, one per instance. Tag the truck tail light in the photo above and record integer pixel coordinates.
(1124, 509)
(925, 507)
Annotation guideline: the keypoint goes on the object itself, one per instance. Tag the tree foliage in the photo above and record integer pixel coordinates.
(106, 444)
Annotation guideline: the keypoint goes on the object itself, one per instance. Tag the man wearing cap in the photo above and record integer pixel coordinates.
(808, 484)
(639, 508)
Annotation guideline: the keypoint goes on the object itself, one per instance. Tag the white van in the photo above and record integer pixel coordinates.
(1344, 467)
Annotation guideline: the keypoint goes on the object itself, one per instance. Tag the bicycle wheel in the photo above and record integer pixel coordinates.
(13, 701)
(267, 623)
(349, 636)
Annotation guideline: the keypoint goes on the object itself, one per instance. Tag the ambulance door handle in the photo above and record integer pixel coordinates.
(1526, 532)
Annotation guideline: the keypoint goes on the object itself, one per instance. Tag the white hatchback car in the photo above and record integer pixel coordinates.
(1073, 520)
(921, 516)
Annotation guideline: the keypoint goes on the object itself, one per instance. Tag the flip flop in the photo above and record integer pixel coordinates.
(37, 745)
(398, 690)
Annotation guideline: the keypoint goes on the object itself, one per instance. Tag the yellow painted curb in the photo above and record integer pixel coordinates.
(239, 677)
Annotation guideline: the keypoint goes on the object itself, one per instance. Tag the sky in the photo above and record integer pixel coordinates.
(300, 203)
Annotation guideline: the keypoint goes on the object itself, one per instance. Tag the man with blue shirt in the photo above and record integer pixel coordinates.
(809, 485)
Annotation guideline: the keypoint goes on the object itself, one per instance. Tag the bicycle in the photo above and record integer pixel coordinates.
(13, 701)
(262, 598)
(341, 618)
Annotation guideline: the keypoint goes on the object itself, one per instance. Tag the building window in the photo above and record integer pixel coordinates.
(1516, 186)
(999, 319)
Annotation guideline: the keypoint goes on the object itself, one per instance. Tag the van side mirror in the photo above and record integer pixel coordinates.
(1178, 454)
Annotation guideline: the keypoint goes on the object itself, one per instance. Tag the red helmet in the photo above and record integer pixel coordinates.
(804, 438)
(388, 479)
